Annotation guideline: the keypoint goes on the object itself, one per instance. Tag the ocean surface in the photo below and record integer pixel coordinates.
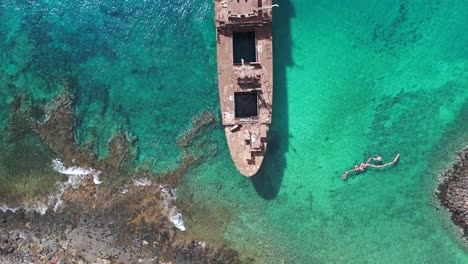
(353, 79)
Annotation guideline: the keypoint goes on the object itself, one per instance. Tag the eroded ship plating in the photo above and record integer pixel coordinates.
(245, 77)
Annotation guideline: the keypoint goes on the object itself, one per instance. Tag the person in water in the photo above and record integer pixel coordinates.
(363, 166)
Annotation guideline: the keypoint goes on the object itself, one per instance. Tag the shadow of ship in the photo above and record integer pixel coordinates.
(267, 181)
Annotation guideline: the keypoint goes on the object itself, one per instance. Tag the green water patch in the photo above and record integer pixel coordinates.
(368, 79)
(26, 170)
(352, 80)
(147, 84)
(132, 66)
(267, 181)
(25, 159)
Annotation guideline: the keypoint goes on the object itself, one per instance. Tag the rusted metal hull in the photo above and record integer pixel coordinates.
(246, 133)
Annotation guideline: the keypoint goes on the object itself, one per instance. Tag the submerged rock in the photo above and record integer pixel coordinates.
(94, 224)
(199, 123)
(453, 191)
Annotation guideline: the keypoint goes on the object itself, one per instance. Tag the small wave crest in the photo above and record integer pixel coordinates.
(76, 175)
(40, 208)
(142, 182)
(168, 194)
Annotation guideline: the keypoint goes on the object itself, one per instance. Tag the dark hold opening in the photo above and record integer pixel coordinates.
(244, 47)
(246, 104)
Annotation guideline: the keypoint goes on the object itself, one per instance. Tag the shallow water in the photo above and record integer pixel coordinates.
(353, 79)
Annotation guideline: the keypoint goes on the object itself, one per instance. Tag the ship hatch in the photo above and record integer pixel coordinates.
(244, 47)
(246, 104)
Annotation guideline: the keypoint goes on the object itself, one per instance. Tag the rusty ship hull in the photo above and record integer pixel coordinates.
(245, 78)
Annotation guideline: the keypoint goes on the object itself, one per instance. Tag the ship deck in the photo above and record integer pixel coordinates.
(245, 77)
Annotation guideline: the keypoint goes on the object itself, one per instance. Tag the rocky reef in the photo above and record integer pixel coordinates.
(98, 225)
(129, 218)
(453, 191)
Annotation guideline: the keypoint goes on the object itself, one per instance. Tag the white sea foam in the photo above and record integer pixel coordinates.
(76, 175)
(168, 194)
(142, 182)
(96, 179)
(201, 244)
(176, 218)
(58, 166)
(5, 208)
(40, 208)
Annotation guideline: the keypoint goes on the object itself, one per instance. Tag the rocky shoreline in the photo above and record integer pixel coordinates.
(114, 222)
(98, 225)
(453, 191)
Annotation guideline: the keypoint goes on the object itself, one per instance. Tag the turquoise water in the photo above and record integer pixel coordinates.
(353, 79)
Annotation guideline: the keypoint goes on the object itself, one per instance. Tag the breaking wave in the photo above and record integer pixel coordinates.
(41, 209)
(75, 174)
(168, 194)
(142, 182)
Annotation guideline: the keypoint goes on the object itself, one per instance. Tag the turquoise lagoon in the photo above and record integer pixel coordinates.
(353, 79)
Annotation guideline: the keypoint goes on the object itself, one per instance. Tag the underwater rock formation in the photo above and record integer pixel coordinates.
(453, 191)
(199, 123)
(57, 129)
(96, 223)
